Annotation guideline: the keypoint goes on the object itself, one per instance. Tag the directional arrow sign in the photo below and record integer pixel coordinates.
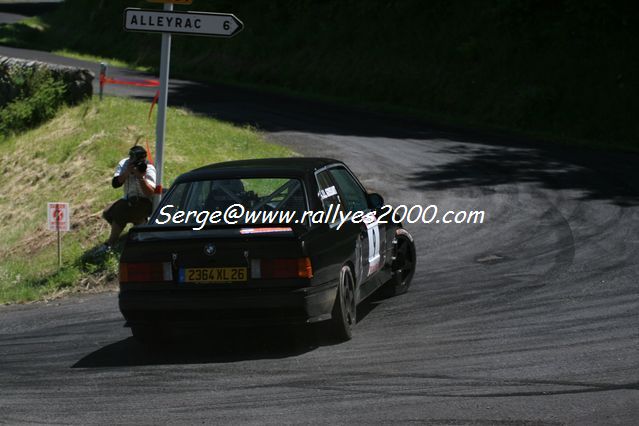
(195, 23)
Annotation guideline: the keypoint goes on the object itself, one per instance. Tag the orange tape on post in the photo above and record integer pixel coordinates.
(158, 189)
(155, 101)
(156, 98)
(148, 151)
(143, 83)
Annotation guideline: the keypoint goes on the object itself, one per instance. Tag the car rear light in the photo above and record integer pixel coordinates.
(282, 268)
(145, 272)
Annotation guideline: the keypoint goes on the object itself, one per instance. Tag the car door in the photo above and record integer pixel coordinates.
(330, 246)
(372, 233)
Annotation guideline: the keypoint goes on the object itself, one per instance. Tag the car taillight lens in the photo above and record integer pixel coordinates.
(282, 268)
(145, 272)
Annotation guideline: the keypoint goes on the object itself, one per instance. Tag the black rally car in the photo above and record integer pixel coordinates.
(291, 271)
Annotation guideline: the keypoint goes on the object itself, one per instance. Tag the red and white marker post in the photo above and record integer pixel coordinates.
(58, 219)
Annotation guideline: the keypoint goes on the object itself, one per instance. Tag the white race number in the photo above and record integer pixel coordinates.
(373, 246)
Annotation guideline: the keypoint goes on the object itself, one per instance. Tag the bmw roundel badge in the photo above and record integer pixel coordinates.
(209, 249)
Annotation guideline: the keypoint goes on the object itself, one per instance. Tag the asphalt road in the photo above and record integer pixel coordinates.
(529, 318)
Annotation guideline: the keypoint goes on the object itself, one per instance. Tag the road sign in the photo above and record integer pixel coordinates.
(171, 1)
(194, 23)
(58, 217)
(168, 22)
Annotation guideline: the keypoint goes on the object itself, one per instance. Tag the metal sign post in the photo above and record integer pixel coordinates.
(59, 250)
(169, 22)
(103, 72)
(58, 219)
(160, 129)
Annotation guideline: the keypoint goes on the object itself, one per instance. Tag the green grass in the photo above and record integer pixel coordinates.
(109, 61)
(27, 33)
(71, 159)
(563, 70)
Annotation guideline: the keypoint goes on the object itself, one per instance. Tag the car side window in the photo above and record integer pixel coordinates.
(355, 198)
(327, 192)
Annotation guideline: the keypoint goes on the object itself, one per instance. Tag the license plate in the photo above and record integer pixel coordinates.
(213, 275)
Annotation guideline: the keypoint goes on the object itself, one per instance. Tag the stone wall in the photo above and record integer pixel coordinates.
(78, 81)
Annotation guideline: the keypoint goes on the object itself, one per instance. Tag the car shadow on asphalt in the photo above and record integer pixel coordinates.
(219, 346)
(199, 347)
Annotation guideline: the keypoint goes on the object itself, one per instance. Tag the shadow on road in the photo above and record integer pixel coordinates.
(202, 348)
(597, 175)
(476, 158)
(220, 346)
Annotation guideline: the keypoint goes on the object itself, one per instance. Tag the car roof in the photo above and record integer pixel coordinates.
(263, 167)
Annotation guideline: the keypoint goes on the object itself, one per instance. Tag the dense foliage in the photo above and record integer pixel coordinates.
(28, 97)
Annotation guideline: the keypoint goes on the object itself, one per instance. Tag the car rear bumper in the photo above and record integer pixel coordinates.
(228, 307)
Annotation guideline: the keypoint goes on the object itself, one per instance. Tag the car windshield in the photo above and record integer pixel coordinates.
(248, 195)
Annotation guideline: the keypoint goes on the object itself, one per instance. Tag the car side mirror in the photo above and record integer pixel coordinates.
(375, 201)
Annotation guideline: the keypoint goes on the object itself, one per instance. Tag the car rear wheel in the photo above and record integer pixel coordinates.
(344, 315)
(403, 266)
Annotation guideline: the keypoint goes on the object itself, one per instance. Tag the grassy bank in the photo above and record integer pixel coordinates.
(564, 69)
(72, 158)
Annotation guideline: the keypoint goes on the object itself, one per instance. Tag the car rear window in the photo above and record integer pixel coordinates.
(254, 194)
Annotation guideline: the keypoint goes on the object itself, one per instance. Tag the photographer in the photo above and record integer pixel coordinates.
(137, 177)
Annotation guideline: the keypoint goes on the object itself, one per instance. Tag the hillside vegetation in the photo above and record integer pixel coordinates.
(71, 159)
(562, 69)
(28, 97)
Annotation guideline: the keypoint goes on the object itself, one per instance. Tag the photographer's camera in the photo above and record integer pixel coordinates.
(140, 166)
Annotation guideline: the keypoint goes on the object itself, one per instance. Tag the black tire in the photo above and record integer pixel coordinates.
(403, 266)
(344, 314)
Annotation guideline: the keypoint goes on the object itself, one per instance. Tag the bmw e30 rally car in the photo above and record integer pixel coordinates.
(196, 264)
